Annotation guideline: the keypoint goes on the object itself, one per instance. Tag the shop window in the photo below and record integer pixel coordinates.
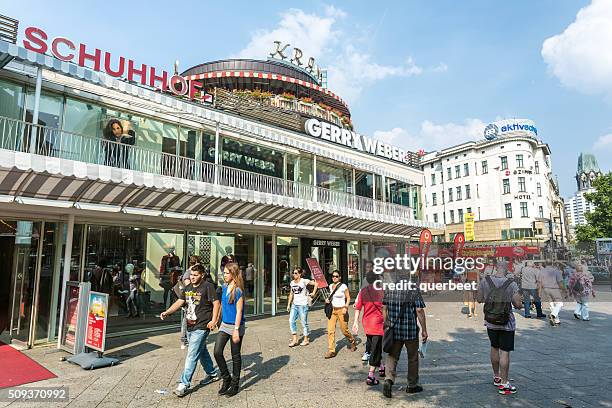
(11, 100)
(364, 184)
(333, 178)
(252, 158)
(398, 192)
(83, 118)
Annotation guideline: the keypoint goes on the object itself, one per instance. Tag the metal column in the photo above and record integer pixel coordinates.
(34, 132)
(274, 265)
(217, 154)
(66, 274)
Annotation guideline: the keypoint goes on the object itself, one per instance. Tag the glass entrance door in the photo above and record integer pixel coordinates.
(329, 259)
(23, 282)
(287, 258)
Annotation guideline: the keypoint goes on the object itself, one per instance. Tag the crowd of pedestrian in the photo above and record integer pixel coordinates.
(391, 320)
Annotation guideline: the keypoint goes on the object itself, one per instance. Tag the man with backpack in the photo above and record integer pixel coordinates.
(499, 294)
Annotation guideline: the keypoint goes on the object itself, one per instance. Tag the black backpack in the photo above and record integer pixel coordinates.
(577, 287)
(496, 308)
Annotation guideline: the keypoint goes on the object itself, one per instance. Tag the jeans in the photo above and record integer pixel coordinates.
(582, 307)
(412, 347)
(133, 303)
(527, 295)
(222, 339)
(197, 351)
(336, 316)
(302, 311)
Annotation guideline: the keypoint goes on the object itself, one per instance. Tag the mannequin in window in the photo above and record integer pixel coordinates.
(116, 142)
(169, 269)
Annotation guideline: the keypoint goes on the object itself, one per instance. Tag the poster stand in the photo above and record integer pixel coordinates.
(93, 335)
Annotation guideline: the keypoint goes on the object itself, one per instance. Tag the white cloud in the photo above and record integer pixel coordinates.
(604, 142)
(441, 67)
(581, 56)
(319, 36)
(433, 136)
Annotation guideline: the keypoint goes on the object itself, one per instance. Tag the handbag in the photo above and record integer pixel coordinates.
(387, 340)
(329, 308)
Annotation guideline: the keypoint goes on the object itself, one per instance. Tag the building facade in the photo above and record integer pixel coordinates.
(110, 169)
(504, 180)
(577, 206)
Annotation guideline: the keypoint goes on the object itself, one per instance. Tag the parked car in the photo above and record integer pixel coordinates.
(600, 273)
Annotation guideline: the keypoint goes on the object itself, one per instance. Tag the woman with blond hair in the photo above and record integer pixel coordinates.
(232, 327)
(580, 286)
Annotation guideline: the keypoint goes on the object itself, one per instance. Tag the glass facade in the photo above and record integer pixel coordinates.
(334, 178)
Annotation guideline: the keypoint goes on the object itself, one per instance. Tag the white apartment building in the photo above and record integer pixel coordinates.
(505, 180)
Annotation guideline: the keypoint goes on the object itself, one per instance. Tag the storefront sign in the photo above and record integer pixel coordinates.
(62, 48)
(317, 272)
(348, 138)
(522, 197)
(280, 52)
(500, 128)
(320, 242)
(468, 226)
(97, 313)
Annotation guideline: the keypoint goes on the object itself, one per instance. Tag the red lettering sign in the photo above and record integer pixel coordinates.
(317, 272)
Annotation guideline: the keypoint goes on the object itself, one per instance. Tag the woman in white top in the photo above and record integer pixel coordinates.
(340, 301)
(299, 299)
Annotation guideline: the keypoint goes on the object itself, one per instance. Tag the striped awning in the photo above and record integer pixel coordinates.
(30, 178)
(202, 113)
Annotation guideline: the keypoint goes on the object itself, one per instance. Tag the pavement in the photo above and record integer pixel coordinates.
(553, 367)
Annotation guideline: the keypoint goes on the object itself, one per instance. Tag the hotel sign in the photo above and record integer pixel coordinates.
(348, 138)
(63, 49)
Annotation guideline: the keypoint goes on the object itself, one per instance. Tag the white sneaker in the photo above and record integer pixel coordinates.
(181, 390)
(366, 356)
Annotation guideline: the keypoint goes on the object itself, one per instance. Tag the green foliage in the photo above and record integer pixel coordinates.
(599, 222)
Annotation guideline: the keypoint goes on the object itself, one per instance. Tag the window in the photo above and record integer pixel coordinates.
(485, 167)
(469, 209)
(364, 184)
(434, 199)
(451, 214)
(435, 217)
(460, 215)
(537, 167)
(467, 192)
(524, 212)
(522, 187)
(457, 171)
(11, 100)
(458, 193)
(448, 174)
(539, 188)
(466, 170)
(504, 162)
(433, 179)
(519, 161)
(506, 183)
(508, 210)
(450, 195)
(398, 192)
(541, 212)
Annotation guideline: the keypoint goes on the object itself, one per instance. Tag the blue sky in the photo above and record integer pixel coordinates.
(419, 74)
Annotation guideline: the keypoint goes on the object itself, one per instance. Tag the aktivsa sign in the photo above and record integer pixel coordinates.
(506, 127)
(64, 49)
(328, 131)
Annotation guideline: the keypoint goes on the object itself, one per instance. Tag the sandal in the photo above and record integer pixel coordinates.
(293, 344)
(304, 343)
(381, 372)
(372, 381)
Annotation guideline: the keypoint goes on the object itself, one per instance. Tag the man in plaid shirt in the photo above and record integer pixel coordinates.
(405, 333)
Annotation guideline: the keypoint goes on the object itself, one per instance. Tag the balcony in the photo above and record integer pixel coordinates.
(23, 137)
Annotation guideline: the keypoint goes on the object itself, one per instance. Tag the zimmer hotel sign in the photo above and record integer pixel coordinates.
(62, 48)
(345, 137)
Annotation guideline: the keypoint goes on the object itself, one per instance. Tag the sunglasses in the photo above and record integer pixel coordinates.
(335, 276)
(296, 273)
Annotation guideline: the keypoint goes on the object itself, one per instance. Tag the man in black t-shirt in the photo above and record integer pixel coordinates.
(202, 302)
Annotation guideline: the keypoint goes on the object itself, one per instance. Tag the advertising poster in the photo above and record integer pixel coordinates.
(317, 272)
(425, 242)
(71, 318)
(458, 243)
(468, 226)
(97, 313)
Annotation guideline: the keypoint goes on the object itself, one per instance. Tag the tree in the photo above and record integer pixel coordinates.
(599, 222)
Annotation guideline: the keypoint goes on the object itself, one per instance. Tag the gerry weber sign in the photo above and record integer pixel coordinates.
(63, 49)
(348, 138)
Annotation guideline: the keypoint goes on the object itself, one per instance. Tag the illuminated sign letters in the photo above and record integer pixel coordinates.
(348, 138)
